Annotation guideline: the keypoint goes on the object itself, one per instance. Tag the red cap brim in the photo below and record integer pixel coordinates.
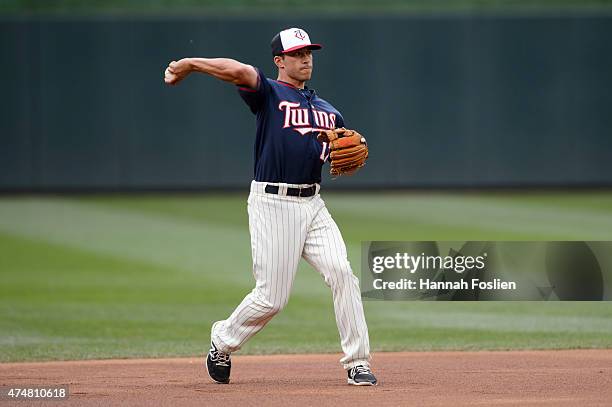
(310, 46)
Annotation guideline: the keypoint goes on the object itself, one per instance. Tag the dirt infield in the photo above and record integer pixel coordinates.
(543, 378)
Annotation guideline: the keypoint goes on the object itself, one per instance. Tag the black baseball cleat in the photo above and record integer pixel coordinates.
(361, 376)
(218, 364)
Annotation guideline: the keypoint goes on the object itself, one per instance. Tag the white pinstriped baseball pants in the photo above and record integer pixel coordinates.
(283, 229)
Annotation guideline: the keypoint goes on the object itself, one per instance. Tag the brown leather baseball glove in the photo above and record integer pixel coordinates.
(349, 150)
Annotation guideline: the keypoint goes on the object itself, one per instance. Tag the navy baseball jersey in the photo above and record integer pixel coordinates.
(288, 121)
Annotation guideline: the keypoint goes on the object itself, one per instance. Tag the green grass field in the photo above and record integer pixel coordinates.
(144, 276)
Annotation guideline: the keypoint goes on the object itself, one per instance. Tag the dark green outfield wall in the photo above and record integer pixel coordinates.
(443, 101)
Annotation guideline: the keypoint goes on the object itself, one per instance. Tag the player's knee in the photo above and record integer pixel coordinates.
(276, 308)
(279, 305)
(272, 306)
(341, 275)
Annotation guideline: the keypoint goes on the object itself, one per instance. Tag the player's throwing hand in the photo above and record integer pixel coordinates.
(176, 71)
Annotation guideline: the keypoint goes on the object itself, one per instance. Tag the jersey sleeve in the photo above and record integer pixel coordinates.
(340, 121)
(255, 98)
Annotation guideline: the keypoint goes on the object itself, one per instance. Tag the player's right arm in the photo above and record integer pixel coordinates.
(225, 69)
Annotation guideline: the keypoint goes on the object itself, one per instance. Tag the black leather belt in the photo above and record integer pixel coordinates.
(302, 192)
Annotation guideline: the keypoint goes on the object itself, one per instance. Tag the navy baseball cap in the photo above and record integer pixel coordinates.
(290, 40)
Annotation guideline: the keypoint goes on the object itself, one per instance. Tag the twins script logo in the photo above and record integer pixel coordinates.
(298, 118)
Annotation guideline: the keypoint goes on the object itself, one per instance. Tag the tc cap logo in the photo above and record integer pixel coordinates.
(299, 34)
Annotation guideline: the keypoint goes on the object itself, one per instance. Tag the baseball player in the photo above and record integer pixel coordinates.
(287, 217)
